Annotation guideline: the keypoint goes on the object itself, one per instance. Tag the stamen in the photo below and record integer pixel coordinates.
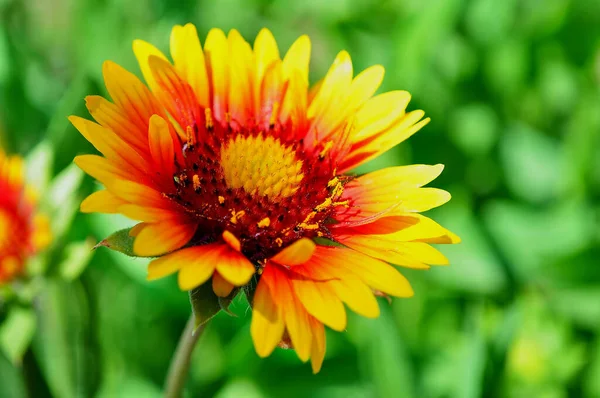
(190, 136)
(274, 114)
(328, 145)
(209, 119)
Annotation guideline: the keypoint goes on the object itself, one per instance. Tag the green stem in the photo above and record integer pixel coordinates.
(180, 364)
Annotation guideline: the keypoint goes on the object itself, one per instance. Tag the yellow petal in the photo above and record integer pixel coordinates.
(101, 202)
(139, 194)
(318, 345)
(379, 113)
(297, 253)
(267, 324)
(375, 273)
(189, 61)
(143, 50)
(242, 71)
(216, 51)
(320, 301)
(412, 176)
(265, 52)
(100, 168)
(297, 58)
(234, 266)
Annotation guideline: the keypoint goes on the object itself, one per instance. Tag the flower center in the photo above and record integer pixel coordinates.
(261, 166)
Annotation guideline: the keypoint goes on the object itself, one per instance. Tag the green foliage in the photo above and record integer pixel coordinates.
(513, 91)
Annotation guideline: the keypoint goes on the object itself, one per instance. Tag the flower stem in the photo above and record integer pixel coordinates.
(180, 364)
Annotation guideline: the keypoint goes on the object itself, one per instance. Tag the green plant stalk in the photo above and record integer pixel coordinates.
(180, 364)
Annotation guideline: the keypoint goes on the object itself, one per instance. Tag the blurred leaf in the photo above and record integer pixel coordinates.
(16, 333)
(384, 359)
(474, 265)
(77, 255)
(534, 164)
(59, 344)
(131, 387)
(120, 241)
(474, 129)
(39, 166)
(63, 201)
(12, 384)
(530, 239)
(579, 304)
(240, 388)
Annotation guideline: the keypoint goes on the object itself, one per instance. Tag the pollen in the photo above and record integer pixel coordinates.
(261, 166)
(265, 222)
(196, 182)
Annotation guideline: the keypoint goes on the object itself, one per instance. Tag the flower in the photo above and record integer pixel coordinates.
(23, 232)
(238, 173)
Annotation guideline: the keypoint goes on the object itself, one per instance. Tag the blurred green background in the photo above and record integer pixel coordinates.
(512, 87)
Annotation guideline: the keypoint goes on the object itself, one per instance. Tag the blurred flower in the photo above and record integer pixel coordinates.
(238, 172)
(23, 231)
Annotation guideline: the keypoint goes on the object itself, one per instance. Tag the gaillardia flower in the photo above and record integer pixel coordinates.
(238, 174)
(23, 232)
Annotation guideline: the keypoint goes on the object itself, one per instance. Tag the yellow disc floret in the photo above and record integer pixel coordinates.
(261, 166)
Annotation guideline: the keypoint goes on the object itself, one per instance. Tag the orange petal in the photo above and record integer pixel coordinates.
(171, 263)
(175, 94)
(297, 253)
(112, 117)
(324, 108)
(220, 286)
(130, 94)
(189, 61)
(200, 265)
(162, 149)
(163, 237)
(267, 317)
(110, 145)
(101, 202)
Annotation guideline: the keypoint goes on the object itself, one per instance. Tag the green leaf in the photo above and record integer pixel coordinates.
(16, 333)
(77, 255)
(121, 241)
(206, 304)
